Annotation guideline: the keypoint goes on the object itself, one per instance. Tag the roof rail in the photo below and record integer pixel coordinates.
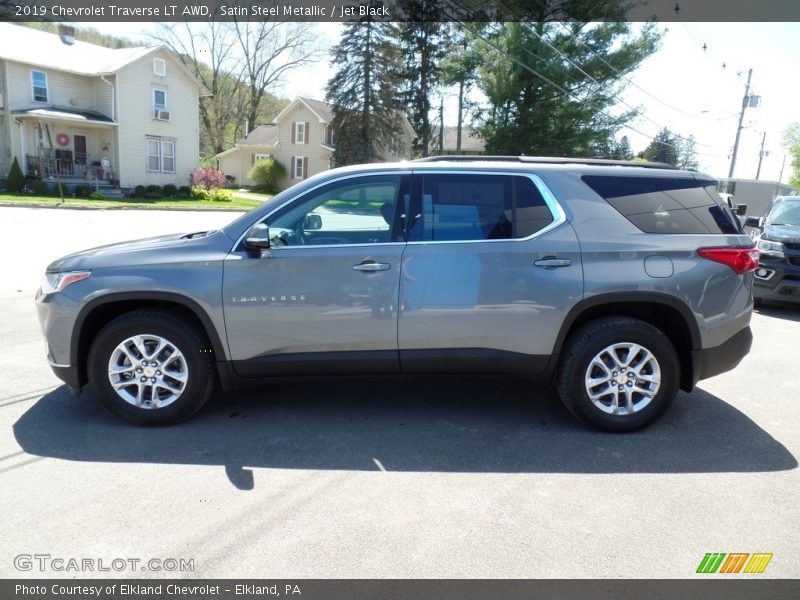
(548, 160)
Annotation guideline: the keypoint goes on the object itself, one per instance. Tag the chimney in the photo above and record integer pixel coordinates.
(67, 34)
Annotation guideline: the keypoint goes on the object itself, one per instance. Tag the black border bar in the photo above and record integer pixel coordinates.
(396, 10)
(702, 588)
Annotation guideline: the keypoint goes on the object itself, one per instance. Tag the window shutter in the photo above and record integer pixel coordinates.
(305, 134)
(252, 159)
(294, 168)
(294, 133)
(305, 168)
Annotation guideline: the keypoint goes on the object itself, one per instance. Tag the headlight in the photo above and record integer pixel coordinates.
(55, 282)
(773, 248)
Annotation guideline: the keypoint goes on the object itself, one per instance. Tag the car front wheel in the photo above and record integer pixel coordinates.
(152, 367)
(618, 373)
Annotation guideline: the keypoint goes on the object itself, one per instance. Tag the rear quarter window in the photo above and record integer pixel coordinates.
(666, 204)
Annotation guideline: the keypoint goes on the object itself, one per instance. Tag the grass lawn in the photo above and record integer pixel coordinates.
(241, 201)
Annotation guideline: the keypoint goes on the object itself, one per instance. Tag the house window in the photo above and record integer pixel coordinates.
(258, 156)
(167, 156)
(159, 99)
(160, 155)
(299, 167)
(39, 85)
(299, 133)
(159, 67)
(329, 136)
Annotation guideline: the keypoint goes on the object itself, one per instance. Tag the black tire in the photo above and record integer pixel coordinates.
(193, 359)
(597, 336)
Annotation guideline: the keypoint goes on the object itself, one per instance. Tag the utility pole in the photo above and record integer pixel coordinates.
(745, 102)
(780, 177)
(761, 154)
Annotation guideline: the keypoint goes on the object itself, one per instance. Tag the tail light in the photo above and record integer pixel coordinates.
(741, 260)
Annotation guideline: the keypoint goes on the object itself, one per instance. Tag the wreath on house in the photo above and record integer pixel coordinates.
(62, 139)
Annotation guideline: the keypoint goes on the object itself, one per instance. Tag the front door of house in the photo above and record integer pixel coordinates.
(79, 144)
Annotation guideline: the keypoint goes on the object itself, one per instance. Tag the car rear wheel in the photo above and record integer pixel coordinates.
(618, 373)
(152, 367)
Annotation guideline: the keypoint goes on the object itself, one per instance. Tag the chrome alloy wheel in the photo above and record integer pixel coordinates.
(148, 371)
(622, 378)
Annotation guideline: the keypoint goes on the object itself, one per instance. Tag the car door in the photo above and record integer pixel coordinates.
(323, 297)
(490, 271)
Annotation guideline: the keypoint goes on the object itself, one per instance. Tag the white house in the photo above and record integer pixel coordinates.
(301, 139)
(86, 113)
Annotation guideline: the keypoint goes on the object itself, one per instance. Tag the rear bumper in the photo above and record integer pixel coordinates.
(709, 362)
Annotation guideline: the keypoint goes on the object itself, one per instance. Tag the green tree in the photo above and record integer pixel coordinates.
(687, 153)
(663, 148)
(267, 174)
(791, 141)
(423, 42)
(622, 150)
(15, 180)
(550, 84)
(364, 91)
(460, 68)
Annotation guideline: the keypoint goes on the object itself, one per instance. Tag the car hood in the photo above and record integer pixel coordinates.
(83, 259)
(782, 233)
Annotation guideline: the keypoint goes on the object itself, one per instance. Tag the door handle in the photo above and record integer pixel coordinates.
(551, 262)
(370, 266)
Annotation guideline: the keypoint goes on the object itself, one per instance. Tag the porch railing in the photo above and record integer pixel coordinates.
(65, 166)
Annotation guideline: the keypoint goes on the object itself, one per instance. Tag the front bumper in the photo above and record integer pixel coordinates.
(777, 279)
(709, 362)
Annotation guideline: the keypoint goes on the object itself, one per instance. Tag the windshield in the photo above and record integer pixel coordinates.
(786, 213)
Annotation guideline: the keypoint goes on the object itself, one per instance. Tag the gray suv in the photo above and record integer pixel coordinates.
(617, 282)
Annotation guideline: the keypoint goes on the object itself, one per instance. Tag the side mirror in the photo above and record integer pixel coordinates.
(752, 221)
(257, 238)
(741, 210)
(312, 222)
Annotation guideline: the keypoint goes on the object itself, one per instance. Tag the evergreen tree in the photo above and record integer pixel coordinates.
(364, 92)
(623, 151)
(15, 180)
(423, 42)
(550, 85)
(663, 148)
(460, 68)
(687, 153)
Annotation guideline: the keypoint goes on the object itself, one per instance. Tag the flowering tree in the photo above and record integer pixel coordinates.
(208, 178)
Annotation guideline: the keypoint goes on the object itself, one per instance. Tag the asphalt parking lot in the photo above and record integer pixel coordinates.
(384, 477)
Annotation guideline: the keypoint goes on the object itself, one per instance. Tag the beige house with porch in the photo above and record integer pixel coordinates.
(301, 139)
(82, 113)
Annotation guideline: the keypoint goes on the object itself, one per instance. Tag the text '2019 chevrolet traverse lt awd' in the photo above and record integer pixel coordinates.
(618, 282)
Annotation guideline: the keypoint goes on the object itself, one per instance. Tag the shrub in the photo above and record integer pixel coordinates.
(40, 187)
(82, 190)
(170, 190)
(139, 191)
(185, 190)
(153, 195)
(16, 180)
(97, 196)
(208, 178)
(267, 173)
(154, 189)
(200, 193)
(219, 195)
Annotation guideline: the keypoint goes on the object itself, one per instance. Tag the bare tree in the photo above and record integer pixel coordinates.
(208, 51)
(269, 51)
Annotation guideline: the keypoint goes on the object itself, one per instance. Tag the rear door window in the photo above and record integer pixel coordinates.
(667, 204)
(472, 207)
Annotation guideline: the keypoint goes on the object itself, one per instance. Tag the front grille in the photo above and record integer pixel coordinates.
(794, 260)
(792, 245)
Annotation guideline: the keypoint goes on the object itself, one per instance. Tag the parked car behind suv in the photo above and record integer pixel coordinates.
(777, 237)
(617, 282)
